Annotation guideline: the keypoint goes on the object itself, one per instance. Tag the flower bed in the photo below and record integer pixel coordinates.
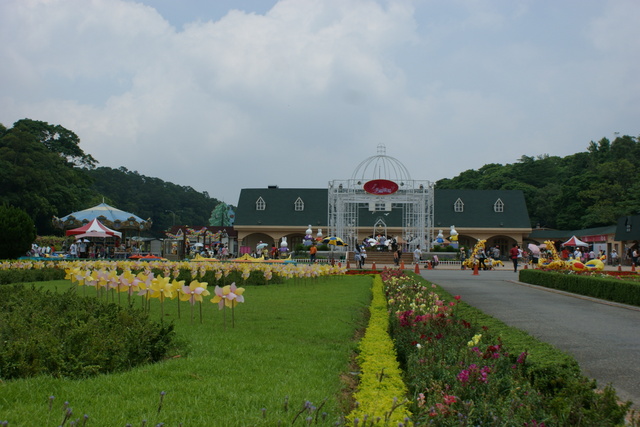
(460, 372)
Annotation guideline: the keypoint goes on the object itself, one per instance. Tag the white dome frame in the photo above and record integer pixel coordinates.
(414, 197)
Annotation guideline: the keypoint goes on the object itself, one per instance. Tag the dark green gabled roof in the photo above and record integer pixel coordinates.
(628, 228)
(280, 207)
(478, 209)
(547, 234)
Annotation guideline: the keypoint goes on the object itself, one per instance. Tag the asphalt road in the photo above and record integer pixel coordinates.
(603, 337)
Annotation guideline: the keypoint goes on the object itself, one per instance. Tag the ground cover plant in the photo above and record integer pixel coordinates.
(282, 361)
(460, 371)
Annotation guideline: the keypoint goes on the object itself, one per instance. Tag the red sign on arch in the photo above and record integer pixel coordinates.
(380, 187)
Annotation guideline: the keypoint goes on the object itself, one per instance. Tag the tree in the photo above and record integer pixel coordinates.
(58, 140)
(220, 216)
(38, 180)
(18, 232)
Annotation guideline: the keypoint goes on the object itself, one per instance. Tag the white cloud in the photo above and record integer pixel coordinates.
(300, 93)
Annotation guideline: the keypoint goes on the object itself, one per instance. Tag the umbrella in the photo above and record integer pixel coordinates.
(535, 250)
(261, 246)
(333, 241)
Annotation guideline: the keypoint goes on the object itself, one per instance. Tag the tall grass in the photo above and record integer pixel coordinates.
(291, 342)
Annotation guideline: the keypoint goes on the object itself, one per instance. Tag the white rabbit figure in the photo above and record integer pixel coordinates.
(453, 234)
(284, 243)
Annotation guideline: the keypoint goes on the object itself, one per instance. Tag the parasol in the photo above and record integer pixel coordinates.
(261, 246)
(535, 250)
(333, 241)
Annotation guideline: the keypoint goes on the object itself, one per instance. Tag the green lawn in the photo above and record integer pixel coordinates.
(291, 340)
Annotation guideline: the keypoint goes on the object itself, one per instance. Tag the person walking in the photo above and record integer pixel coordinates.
(313, 250)
(481, 257)
(513, 254)
(614, 257)
(397, 255)
(417, 255)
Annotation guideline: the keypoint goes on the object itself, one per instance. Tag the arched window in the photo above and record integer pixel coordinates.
(458, 206)
(260, 204)
(298, 204)
(498, 206)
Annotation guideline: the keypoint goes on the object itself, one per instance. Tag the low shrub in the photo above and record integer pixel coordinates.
(213, 278)
(29, 276)
(604, 287)
(65, 335)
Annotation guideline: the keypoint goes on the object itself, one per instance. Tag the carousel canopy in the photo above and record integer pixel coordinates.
(93, 229)
(107, 215)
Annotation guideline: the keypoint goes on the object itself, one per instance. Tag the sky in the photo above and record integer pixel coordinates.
(221, 95)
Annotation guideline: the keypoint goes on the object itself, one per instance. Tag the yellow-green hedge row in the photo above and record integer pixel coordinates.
(381, 391)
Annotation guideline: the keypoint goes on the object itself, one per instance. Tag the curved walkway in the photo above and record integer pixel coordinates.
(604, 337)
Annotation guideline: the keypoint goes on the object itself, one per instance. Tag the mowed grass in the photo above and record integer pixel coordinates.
(290, 341)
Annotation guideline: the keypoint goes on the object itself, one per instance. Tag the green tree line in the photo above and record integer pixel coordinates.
(44, 172)
(582, 190)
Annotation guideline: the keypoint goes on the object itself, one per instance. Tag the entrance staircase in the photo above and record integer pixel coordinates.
(379, 257)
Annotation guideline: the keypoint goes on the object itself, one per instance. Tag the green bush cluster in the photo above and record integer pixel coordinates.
(607, 288)
(16, 275)
(461, 364)
(65, 335)
(18, 232)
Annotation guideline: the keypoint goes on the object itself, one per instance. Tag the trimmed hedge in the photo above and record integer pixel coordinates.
(16, 275)
(610, 289)
(381, 393)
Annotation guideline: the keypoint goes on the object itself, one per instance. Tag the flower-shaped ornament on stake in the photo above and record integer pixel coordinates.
(194, 292)
(228, 296)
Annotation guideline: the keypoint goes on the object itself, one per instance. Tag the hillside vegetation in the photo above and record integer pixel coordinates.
(583, 190)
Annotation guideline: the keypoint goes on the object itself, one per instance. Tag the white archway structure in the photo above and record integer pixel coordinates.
(382, 183)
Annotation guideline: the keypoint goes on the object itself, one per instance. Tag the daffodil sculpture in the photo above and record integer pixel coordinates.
(228, 296)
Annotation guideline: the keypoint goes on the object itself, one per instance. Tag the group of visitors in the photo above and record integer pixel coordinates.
(41, 251)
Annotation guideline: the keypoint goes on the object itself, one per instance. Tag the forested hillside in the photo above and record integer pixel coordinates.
(44, 171)
(583, 190)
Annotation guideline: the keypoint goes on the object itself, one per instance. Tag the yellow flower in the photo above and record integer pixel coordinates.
(475, 340)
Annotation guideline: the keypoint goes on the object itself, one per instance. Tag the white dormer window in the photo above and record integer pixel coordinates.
(298, 204)
(458, 206)
(260, 204)
(498, 206)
